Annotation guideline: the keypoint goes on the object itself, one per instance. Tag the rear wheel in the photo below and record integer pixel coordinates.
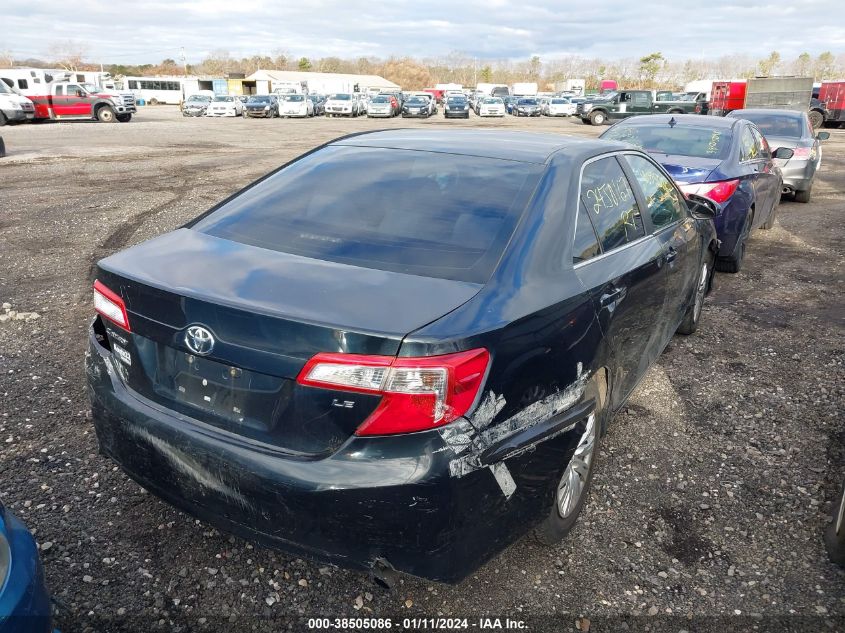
(804, 196)
(571, 491)
(816, 119)
(106, 115)
(834, 536)
(770, 222)
(693, 314)
(2, 119)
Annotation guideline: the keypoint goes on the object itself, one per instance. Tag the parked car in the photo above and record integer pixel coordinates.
(834, 536)
(456, 107)
(195, 105)
(559, 106)
(527, 106)
(342, 104)
(24, 601)
(295, 105)
(319, 102)
(430, 101)
(399, 97)
(510, 103)
(262, 106)
(382, 106)
(14, 107)
(792, 129)
(727, 160)
(491, 106)
(225, 105)
(410, 384)
(417, 107)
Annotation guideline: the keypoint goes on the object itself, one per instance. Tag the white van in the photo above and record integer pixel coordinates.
(14, 108)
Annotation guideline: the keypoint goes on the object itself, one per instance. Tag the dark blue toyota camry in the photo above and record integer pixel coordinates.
(399, 351)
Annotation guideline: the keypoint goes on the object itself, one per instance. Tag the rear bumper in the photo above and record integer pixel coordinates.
(798, 175)
(375, 500)
(24, 601)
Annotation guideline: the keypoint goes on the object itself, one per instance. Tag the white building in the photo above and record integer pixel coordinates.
(320, 83)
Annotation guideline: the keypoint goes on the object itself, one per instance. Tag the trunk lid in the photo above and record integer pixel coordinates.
(687, 169)
(268, 313)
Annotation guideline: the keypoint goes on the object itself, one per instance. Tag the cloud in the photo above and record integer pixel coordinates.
(151, 31)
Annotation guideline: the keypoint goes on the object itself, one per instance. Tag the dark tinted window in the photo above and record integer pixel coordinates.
(586, 244)
(787, 125)
(662, 199)
(423, 213)
(679, 140)
(22, 84)
(608, 197)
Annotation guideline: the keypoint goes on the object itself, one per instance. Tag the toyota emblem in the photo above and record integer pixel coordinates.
(199, 340)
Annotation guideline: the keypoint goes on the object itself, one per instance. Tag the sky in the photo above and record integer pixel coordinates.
(149, 31)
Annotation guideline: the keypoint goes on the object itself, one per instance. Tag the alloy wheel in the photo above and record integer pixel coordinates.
(577, 473)
(700, 292)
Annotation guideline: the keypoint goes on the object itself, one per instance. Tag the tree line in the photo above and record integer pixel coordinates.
(651, 71)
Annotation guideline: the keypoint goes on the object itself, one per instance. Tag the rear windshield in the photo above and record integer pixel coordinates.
(701, 142)
(422, 213)
(776, 125)
(381, 99)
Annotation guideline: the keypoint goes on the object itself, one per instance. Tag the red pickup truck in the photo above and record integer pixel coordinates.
(72, 101)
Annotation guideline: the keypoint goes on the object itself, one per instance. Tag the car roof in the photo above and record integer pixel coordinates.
(739, 114)
(691, 120)
(528, 147)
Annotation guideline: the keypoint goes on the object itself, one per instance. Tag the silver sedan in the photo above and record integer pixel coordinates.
(790, 129)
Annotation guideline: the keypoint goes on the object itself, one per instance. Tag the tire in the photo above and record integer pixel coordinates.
(598, 118)
(3, 119)
(105, 114)
(770, 222)
(565, 510)
(733, 263)
(833, 541)
(690, 323)
(804, 196)
(124, 118)
(2, 147)
(816, 119)
(153, 102)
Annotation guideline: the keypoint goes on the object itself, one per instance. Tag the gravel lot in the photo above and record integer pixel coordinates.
(712, 488)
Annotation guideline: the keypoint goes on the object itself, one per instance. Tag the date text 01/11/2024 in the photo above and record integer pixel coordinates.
(416, 624)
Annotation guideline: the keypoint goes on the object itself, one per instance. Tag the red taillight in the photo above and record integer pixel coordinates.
(418, 393)
(110, 305)
(716, 191)
(801, 153)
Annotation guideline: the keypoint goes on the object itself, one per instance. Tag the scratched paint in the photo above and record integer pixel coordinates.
(189, 467)
(487, 434)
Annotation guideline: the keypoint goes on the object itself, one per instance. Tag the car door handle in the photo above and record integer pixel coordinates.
(612, 297)
(671, 254)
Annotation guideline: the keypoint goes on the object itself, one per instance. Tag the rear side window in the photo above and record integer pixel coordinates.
(586, 243)
(610, 203)
(416, 212)
(762, 145)
(22, 84)
(662, 199)
(748, 149)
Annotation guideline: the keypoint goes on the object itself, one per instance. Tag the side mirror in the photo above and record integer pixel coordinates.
(783, 153)
(79, 93)
(823, 136)
(702, 207)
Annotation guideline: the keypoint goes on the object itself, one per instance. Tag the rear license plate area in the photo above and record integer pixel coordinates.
(241, 397)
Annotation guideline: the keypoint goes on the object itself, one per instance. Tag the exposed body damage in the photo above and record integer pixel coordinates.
(487, 434)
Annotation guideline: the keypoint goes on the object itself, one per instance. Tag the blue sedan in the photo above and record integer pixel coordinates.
(727, 160)
(24, 601)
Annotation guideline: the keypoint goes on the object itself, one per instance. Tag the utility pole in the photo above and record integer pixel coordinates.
(184, 60)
